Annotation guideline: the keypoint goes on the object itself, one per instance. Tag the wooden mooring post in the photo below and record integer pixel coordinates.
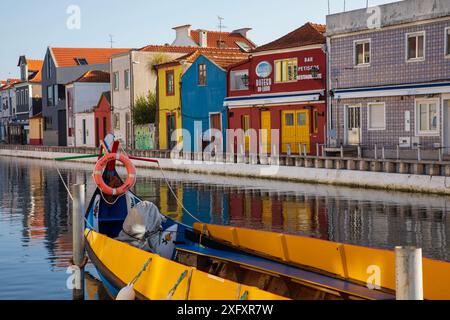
(408, 273)
(79, 258)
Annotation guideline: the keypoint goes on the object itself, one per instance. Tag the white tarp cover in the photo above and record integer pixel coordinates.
(142, 227)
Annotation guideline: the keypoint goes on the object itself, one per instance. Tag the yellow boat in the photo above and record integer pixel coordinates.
(350, 263)
(118, 263)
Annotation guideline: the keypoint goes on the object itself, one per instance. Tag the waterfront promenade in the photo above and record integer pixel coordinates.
(400, 175)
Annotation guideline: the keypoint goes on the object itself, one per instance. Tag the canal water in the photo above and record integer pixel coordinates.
(35, 219)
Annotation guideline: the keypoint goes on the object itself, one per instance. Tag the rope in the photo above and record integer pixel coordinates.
(175, 195)
(143, 269)
(175, 287)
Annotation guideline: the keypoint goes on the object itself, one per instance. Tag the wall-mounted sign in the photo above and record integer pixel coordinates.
(264, 69)
(310, 71)
(263, 85)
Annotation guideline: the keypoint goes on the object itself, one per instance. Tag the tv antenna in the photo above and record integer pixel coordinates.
(221, 26)
(111, 40)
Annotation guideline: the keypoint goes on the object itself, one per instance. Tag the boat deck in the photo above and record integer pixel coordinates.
(273, 267)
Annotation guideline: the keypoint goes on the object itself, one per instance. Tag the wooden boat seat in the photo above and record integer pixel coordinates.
(273, 267)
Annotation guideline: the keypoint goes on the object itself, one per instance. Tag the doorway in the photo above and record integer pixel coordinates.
(353, 125)
(295, 131)
(171, 126)
(446, 123)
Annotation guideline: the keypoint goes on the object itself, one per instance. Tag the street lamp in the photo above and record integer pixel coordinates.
(245, 80)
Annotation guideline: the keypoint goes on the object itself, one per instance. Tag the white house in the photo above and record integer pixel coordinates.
(82, 97)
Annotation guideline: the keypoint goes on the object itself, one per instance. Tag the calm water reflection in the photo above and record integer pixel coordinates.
(35, 231)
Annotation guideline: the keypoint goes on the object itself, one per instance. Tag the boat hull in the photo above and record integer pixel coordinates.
(343, 261)
(118, 263)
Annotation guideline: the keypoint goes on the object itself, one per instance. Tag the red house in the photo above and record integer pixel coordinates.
(282, 86)
(102, 114)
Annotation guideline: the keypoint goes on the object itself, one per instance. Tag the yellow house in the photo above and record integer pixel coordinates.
(169, 102)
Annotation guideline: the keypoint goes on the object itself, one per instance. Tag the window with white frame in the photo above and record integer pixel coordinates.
(376, 116)
(427, 117)
(447, 42)
(239, 80)
(286, 70)
(415, 46)
(116, 81)
(362, 52)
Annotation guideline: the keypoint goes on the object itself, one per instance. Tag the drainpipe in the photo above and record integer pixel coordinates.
(328, 88)
(131, 98)
(111, 87)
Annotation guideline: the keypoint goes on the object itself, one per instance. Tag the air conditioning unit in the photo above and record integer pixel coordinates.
(404, 142)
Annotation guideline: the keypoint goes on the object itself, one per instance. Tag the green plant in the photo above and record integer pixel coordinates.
(144, 111)
(158, 58)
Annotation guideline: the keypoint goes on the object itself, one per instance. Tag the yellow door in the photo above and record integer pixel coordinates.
(288, 131)
(302, 129)
(246, 127)
(295, 131)
(265, 135)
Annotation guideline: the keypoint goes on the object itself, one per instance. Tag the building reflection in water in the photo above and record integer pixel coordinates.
(377, 223)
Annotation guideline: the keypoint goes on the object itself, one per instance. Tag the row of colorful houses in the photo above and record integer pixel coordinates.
(369, 77)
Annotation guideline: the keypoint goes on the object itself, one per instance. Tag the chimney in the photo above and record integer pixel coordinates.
(183, 36)
(203, 39)
(243, 31)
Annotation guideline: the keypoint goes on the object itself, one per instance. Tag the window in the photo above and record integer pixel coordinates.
(289, 119)
(286, 70)
(49, 67)
(427, 117)
(117, 121)
(116, 81)
(84, 131)
(447, 42)
(416, 46)
(50, 96)
(301, 119)
(315, 121)
(23, 72)
(376, 116)
(81, 61)
(362, 52)
(239, 80)
(48, 123)
(127, 79)
(170, 83)
(202, 74)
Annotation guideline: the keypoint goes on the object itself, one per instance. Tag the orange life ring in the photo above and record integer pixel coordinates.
(100, 167)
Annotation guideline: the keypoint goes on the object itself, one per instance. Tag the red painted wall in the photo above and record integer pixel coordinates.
(306, 59)
(319, 59)
(102, 111)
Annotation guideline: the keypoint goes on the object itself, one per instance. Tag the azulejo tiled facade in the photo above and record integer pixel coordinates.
(391, 85)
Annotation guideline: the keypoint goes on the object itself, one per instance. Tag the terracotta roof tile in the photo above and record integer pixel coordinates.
(308, 34)
(222, 57)
(168, 49)
(230, 39)
(94, 76)
(66, 57)
(34, 65)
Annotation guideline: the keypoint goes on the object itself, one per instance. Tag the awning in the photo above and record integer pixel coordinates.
(273, 99)
(392, 91)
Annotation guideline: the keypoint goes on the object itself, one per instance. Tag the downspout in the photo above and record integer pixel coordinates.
(328, 89)
(111, 107)
(132, 99)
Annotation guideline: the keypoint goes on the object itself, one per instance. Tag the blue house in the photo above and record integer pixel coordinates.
(203, 90)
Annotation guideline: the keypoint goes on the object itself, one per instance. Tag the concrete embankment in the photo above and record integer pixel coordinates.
(351, 178)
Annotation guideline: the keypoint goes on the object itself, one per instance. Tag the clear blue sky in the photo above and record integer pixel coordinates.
(29, 27)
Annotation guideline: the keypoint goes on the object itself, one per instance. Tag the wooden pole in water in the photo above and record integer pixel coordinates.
(408, 273)
(78, 238)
